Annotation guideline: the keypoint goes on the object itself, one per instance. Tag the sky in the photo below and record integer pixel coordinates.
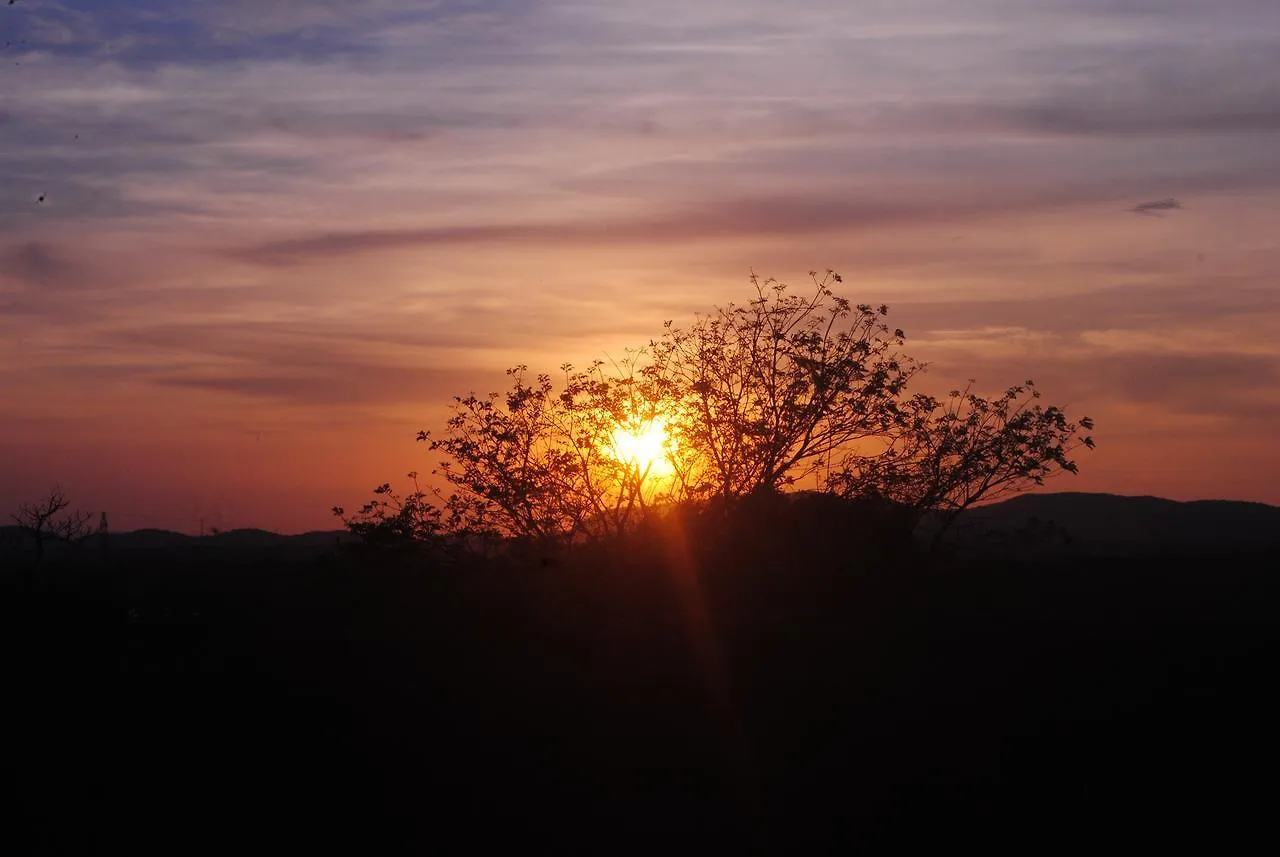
(248, 248)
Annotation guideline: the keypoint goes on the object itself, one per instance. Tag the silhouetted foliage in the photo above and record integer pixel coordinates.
(394, 520)
(538, 463)
(617, 487)
(747, 401)
(948, 454)
(511, 475)
(764, 394)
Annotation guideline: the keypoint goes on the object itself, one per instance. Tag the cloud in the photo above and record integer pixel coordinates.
(1232, 388)
(552, 102)
(738, 218)
(1185, 353)
(1154, 207)
(35, 263)
(347, 384)
(1211, 302)
(371, 359)
(1072, 120)
(320, 209)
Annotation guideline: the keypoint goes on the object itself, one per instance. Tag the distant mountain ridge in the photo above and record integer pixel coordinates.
(1070, 522)
(1114, 523)
(152, 540)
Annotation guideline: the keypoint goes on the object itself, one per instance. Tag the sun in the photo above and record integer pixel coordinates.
(643, 446)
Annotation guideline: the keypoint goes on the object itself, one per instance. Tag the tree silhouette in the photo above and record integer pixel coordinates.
(765, 393)
(394, 520)
(753, 398)
(512, 474)
(47, 519)
(949, 454)
(596, 405)
(538, 463)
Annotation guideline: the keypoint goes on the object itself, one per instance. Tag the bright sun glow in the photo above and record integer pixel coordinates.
(645, 447)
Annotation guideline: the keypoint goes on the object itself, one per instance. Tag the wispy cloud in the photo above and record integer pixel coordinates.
(345, 208)
(40, 265)
(1155, 207)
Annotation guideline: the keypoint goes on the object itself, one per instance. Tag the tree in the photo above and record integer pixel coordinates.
(600, 410)
(47, 519)
(512, 472)
(949, 454)
(540, 464)
(764, 394)
(752, 399)
(393, 520)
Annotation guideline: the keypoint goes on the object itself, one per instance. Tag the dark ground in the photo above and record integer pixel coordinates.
(749, 696)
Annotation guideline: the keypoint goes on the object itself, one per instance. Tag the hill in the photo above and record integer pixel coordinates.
(150, 542)
(1065, 523)
(763, 685)
(1111, 524)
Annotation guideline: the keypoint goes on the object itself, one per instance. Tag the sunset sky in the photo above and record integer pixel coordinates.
(248, 248)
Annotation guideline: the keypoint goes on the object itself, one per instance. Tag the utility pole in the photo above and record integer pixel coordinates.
(102, 535)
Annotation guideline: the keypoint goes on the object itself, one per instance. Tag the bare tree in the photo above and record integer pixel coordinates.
(48, 519)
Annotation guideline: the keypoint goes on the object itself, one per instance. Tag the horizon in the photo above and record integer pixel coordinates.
(248, 250)
(213, 532)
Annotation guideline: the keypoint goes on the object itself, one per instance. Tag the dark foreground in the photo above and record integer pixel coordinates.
(658, 693)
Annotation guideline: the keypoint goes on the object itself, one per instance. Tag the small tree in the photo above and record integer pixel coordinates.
(512, 472)
(393, 520)
(48, 519)
(949, 454)
(766, 393)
